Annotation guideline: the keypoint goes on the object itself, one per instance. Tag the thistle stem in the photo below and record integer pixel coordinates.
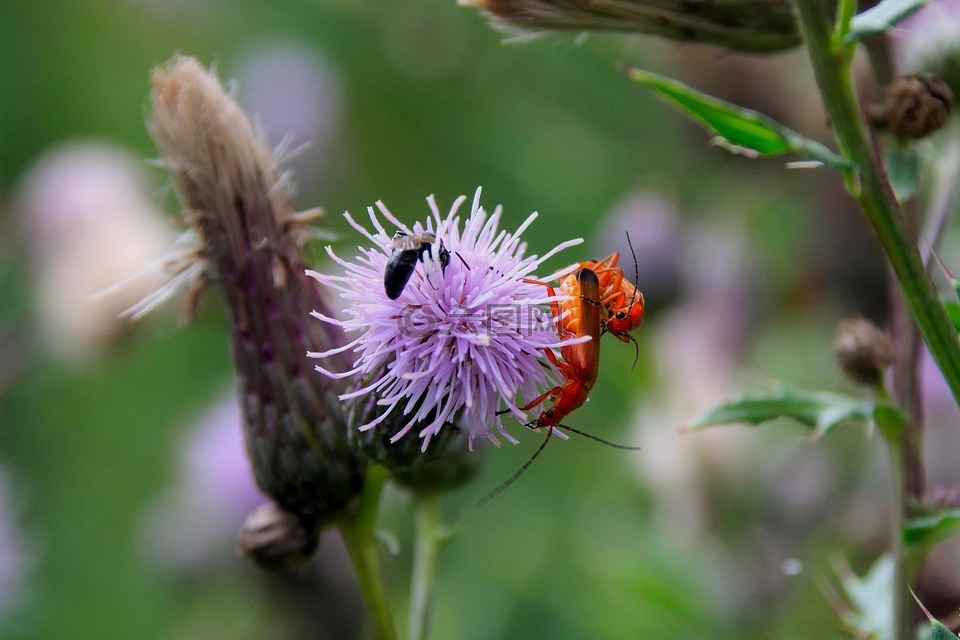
(869, 186)
(429, 536)
(357, 529)
(917, 300)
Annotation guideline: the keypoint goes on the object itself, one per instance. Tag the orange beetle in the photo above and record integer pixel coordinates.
(580, 366)
(620, 298)
(579, 315)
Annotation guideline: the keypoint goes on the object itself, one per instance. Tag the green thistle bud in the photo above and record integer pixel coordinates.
(237, 204)
(448, 463)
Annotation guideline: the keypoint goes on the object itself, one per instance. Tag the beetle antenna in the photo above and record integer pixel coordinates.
(636, 352)
(636, 271)
(519, 472)
(596, 438)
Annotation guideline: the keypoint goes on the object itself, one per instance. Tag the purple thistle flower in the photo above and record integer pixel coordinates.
(461, 338)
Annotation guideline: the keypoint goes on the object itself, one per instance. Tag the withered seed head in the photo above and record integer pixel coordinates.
(237, 202)
(741, 25)
(914, 106)
(278, 540)
(863, 349)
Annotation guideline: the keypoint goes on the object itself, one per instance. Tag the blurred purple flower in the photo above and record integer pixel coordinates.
(296, 94)
(459, 339)
(941, 415)
(202, 511)
(89, 222)
(653, 223)
(927, 41)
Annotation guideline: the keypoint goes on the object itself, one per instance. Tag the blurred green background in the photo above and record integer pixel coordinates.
(746, 267)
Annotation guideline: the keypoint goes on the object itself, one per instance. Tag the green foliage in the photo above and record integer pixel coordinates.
(927, 530)
(903, 169)
(880, 18)
(938, 631)
(953, 311)
(739, 130)
(818, 410)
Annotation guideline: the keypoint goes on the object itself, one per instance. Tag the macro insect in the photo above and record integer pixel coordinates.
(619, 297)
(405, 250)
(579, 315)
(622, 302)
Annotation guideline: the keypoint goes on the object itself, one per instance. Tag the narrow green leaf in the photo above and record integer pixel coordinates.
(930, 529)
(941, 632)
(880, 18)
(903, 168)
(938, 631)
(738, 130)
(889, 419)
(819, 410)
(953, 310)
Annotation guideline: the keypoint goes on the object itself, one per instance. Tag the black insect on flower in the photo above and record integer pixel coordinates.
(406, 249)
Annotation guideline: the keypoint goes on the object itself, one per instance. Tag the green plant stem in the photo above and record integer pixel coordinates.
(357, 529)
(905, 559)
(429, 536)
(869, 186)
(831, 64)
(906, 446)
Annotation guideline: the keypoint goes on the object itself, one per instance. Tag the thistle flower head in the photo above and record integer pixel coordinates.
(465, 335)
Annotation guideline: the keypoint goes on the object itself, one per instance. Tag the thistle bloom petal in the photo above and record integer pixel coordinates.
(462, 340)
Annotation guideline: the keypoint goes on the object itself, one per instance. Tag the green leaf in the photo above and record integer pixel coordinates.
(880, 18)
(889, 419)
(938, 631)
(738, 130)
(903, 168)
(927, 530)
(819, 410)
(953, 310)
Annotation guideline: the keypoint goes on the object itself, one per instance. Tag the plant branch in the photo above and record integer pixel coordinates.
(917, 295)
(357, 529)
(869, 186)
(430, 535)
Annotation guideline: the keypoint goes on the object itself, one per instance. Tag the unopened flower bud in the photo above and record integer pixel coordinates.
(448, 463)
(240, 211)
(914, 106)
(278, 540)
(863, 349)
(751, 25)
